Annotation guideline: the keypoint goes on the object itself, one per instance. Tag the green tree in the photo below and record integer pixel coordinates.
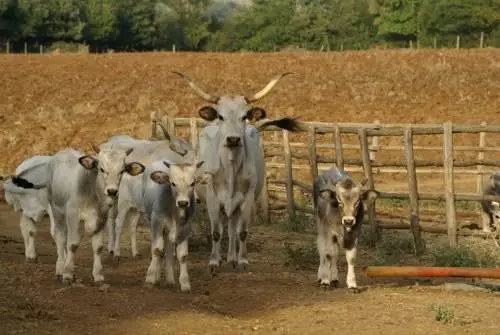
(100, 21)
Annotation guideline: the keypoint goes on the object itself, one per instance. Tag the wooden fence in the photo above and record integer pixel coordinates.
(367, 164)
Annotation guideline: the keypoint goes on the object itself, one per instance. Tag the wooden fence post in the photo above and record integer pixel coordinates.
(339, 155)
(375, 144)
(264, 195)
(435, 42)
(481, 40)
(480, 156)
(193, 129)
(25, 48)
(367, 167)
(458, 41)
(413, 192)
(289, 175)
(448, 183)
(153, 125)
(312, 152)
(170, 125)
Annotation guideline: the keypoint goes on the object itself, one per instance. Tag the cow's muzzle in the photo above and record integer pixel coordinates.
(233, 141)
(348, 222)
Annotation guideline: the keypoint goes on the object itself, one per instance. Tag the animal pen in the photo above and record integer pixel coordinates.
(277, 145)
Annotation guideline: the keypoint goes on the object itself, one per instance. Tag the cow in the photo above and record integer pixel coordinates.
(130, 204)
(339, 211)
(490, 210)
(231, 151)
(82, 188)
(33, 205)
(170, 205)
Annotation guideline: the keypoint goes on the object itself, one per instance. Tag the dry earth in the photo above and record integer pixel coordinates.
(274, 297)
(52, 101)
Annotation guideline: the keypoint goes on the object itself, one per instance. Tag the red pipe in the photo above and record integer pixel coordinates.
(423, 271)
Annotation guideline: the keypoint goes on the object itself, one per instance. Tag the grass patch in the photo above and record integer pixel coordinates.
(302, 257)
(389, 249)
(298, 224)
(465, 256)
(442, 313)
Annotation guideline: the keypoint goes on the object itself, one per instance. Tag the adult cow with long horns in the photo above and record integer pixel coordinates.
(231, 151)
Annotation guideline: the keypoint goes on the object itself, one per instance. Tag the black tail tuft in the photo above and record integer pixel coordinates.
(287, 123)
(21, 182)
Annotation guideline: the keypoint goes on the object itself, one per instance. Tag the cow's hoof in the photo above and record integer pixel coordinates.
(354, 290)
(116, 260)
(111, 252)
(68, 280)
(137, 256)
(149, 286)
(334, 283)
(243, 267)
(59, 278)
(31, 260)
(324, 284)
(212, 269)
(234, 264)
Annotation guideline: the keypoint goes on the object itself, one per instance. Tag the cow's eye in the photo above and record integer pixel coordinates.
(220, 117)
(101, 169)
(173, 184)
(192, 184)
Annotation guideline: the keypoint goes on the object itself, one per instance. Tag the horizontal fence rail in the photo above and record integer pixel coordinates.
(281, 147)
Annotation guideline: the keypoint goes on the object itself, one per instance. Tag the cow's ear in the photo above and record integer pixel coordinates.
(256, 113)
(495, 205)
(88, 162)
(134, 168)
(370, 195)
(208, 113)
(160, 177)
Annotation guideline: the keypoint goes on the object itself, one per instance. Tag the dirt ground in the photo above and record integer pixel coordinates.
(273, 297)
(52, 101)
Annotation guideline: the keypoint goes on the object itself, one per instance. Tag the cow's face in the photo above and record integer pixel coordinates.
(182, 179)
(495, 180)
(348, 197)
(495, 215)
(231, 114)
(110, 165)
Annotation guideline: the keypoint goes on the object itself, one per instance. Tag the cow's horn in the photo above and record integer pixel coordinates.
(259, 95)
(199, 91)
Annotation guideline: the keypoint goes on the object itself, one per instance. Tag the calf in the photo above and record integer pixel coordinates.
(490, 210)
(32, 204)
(339, 212)
(82, 188)
(170, 204)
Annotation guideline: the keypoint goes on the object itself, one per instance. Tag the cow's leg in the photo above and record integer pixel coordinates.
(157, 253)
(182, 254)
(28, 231)
(110, 223)
(60, 237)
(325, 251)
(133, 219)
(232, 224)
(486, 222)
(242, 231)
(121, 217)
(350, 254)
(72, 244)
(216, 225)
(334, 271)
(52, 223)
(169, 262)
(95, 227)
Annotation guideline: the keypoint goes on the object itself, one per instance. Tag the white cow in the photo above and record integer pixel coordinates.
(82, 188)
(233, 157)
(339, 213)
(130, 204)
(33, 205)
(170, 205)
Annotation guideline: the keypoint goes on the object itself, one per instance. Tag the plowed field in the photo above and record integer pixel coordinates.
(52, 101)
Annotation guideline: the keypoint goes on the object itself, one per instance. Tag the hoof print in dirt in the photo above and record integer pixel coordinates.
(31, 260)
(355, 290)
(103, 287)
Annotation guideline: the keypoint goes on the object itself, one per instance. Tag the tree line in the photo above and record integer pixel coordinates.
(258, 25)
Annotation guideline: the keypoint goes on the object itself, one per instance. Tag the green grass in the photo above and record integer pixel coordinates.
(443, 313)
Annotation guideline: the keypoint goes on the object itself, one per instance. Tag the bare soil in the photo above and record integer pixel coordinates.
(53, 101)
(271, 298)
